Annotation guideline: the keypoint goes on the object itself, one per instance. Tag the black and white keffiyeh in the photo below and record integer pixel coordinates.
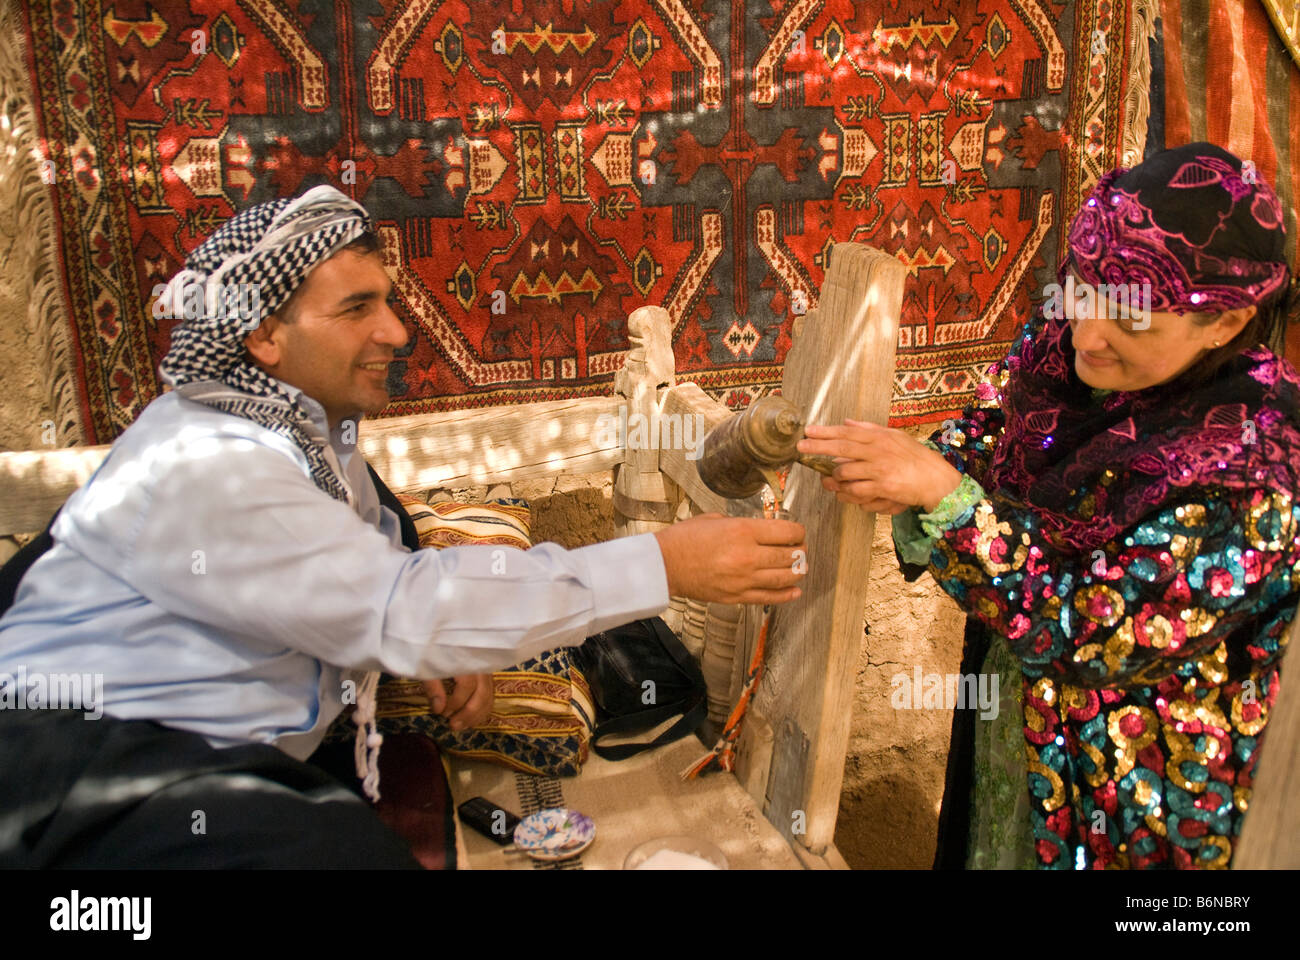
(252, 265)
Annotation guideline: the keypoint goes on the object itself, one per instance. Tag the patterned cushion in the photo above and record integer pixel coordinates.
(543, 714)
(451, 524)
(540, 723)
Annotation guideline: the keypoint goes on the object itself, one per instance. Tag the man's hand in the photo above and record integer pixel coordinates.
(734, 560)
(882, 470)
(464, 701)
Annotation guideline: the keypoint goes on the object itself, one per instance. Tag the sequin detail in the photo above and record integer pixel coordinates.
(1144, 695)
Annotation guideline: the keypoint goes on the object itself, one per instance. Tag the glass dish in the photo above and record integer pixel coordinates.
(692, 846)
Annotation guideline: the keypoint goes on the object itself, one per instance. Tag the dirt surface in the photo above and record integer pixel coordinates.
(894, 770)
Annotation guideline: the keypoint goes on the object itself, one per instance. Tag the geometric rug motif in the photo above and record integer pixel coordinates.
(537, 171)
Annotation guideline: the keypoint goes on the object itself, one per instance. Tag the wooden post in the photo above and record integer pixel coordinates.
(841, 366)
(644, 499)
(720, 629)
(675, 615)
(692, 634)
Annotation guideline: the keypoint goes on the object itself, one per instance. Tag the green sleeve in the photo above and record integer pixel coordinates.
(915, 532)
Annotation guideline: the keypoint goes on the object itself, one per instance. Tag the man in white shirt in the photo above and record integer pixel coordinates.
(229, 571)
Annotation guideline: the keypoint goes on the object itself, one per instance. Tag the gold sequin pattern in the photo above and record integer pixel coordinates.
(1099, 773)
(1159, 632)
(1052, 608)
(1118, 646)
(1099, 595)
(1127, 748)
(1183, 751)
(1033, 764)
(1205, 710)
(987, 607)
(1045, 690)
(990, 529)
(1277, 503)
(1182, 548)
(1213, 666)
(1087, 653)
(956, 569)
(1224, 847)
(1241, 797)
(1199, 621)
(1142, 792)
(1072, 698)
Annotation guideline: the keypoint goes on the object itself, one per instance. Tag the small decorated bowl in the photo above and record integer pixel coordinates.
(555, 834)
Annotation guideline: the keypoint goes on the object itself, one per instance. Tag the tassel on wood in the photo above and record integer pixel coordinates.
(724, 751)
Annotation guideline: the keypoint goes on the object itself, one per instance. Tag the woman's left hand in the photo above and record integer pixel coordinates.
(881, 469)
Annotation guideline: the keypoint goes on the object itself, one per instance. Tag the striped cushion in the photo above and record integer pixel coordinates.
(451, 524)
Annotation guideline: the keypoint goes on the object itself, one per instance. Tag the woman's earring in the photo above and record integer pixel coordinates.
(1217, 344)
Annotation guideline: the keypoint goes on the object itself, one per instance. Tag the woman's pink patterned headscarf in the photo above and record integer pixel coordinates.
(1202, 228)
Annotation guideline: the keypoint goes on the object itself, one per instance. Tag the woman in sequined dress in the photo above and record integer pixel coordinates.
(1115, 512)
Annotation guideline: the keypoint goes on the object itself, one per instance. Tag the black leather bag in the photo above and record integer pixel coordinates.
(618, 663)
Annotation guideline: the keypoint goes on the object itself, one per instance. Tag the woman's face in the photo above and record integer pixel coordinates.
(1130, 354)
(1114, 355)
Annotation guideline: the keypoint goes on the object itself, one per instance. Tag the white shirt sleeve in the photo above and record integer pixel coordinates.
(233, 534)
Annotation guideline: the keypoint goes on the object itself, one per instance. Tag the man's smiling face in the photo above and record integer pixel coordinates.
(336, 336)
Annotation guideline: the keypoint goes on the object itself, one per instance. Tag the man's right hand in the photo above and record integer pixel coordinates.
(719, 559)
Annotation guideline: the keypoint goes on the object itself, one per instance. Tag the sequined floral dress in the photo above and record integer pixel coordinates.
(1149, 651)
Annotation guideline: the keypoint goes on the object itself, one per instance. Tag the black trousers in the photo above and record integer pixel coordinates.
(953, 844)
(108, 793)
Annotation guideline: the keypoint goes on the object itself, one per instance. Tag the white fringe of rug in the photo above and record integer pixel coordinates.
(1137, 94)
(33, 271)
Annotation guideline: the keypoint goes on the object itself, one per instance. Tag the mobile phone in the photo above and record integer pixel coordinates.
(489, 819)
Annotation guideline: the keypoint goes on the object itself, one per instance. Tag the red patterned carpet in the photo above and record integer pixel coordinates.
(540, 169)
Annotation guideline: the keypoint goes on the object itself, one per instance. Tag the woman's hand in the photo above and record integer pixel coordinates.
(464, 701)
(882, 470)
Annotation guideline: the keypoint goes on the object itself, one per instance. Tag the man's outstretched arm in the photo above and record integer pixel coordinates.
(285, 564)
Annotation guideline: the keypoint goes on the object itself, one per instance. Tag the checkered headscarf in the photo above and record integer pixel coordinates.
(253, 263)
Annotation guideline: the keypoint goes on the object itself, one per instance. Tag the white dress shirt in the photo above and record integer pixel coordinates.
(218, 590)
